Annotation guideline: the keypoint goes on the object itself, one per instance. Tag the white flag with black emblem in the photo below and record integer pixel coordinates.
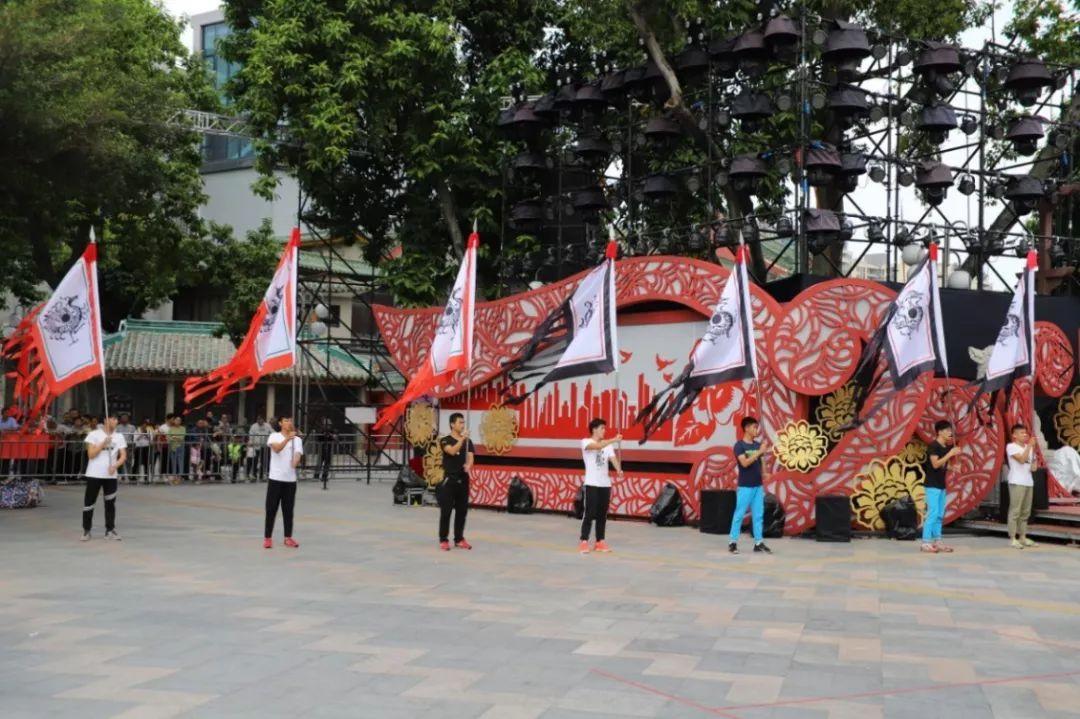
(1013, 355)
(915, 337)
(725, 352)
(579, 338)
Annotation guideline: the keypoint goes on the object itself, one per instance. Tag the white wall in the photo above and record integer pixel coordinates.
(231, 202)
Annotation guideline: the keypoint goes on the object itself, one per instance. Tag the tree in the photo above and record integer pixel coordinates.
(391, 107)
(87, 88)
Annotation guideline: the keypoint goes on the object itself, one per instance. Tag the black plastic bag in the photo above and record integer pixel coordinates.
(579, 503)
(667, 509)
(901, 519)
(519, 498)
(774, 517)
(406, 479)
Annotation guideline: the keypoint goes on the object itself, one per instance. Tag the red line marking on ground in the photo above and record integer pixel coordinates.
(726, 711)
(670, 697)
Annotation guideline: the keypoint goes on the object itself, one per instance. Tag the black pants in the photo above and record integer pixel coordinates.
(283, 493)
(142, 462)
(93, 486)
(453, 496)
(322, 472)
(596, 508)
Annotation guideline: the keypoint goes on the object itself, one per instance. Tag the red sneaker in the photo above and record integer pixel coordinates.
(290, 542)
(583, 547)
(445, 546)
(602, 546)
(462, 544)
(268, 543)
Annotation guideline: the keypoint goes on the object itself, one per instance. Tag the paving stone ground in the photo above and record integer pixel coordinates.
(190, 617)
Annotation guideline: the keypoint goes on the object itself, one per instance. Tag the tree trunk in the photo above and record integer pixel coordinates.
(450, 216)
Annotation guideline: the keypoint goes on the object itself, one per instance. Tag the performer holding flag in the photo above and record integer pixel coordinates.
(580, 338)
(451, 351)
(57, 346)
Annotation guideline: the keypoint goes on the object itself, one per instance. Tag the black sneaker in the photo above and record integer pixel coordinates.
(760, 547)
(733, 548)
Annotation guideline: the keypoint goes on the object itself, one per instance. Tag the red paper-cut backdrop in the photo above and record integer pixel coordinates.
(806, 348)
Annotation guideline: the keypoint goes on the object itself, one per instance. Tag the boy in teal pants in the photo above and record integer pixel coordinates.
(751, 493)
(938, 454)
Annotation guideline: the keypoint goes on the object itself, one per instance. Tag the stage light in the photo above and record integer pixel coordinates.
(1022, 248)
(996, 131)
(751, 52)
(634, 83)
(530, 166)
(933, 180)
(544, 107)
(877, 173)
(782, 38)
(663, 130)
(693, 183)
(822, 228)
(959, 280)
(966, 185)
(564, 99)
(527, 125)
(1057, 253)
(848, 105)
(902, 238)
(659, 188)
(784, 102)
(912, 254)
(691, 63)
(1059, 139)
(750, 233)
(723, 118)
(783, 166)
(875, 231)
(590, 200)
(969, 125)
(697, 241)
(784, 227)
(905, 178)
(847, 228)
(750, 108)
(589, 99)
(722, 52)
(592, 149)
(936, 121)
(822, 164)
(1026, 80)
(1024, 134)
(902, 58)
(746, 173)
(817, 100)
(527, 215)
(846, 47)
(936, 62)
(993, 243)
(852, 165)
(612, 85)
(1024, 192)
(997, 189)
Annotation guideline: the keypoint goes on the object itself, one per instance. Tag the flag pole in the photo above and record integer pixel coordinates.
(100, 344)
(617, 419)
(469, 339)
(946, 396)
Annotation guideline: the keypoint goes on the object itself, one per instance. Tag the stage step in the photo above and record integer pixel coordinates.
(1068, 533)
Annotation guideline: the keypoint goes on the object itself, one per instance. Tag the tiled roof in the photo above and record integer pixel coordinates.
(185, 349)
(316, 262)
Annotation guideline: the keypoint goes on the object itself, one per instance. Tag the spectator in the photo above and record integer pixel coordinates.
(235, 454)
(143, 439)
(127, 429)
(8, 424)
(198, 450)
(258, 433)
(162, 443)
(177, 434)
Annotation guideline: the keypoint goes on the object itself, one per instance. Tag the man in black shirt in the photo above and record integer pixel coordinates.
(938, 454)
(453, 491)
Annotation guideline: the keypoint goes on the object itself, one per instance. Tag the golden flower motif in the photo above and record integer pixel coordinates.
(1067, 419)
(914, 452)
(882, 482)
(836, 410)
(433, 468)
(420, 424)
(800, 446)
(499, 429)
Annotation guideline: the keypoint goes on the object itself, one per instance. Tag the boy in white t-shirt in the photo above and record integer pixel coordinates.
(106, 452)
(596, 453)
(286, 451)
(1021, 455)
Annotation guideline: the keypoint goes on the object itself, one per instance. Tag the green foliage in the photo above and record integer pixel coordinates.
(86, 91)
(1048, 29)
(391, 106)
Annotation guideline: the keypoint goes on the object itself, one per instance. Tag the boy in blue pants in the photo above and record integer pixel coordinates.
(938, 454)
(751, 495)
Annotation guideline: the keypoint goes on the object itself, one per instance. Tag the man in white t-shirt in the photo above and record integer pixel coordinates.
(1021, 455)
(596, 453)
(286, 451)
(106, 452)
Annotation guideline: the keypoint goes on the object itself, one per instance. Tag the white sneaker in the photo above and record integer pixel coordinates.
(1028, 542)
(112, 534)
(1015, 544)
(85, 537)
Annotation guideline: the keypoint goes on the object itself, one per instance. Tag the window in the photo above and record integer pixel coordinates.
(217, 149)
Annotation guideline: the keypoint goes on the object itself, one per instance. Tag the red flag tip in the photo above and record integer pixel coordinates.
(294, 237)
(90, 253)
(474, 240)
(1032, 259)
(933, 252)
(612, 250)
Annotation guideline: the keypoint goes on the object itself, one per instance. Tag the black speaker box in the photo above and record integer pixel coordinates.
(833, 519)
(717, 506)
